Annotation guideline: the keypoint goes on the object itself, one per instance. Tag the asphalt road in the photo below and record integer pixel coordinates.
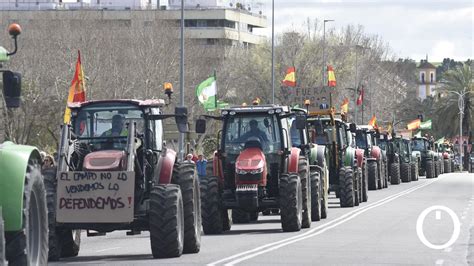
(381, 231)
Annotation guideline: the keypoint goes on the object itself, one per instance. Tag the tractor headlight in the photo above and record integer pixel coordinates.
(256, 171)
(241, 172)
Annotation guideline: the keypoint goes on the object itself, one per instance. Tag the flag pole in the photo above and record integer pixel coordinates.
(215, 80)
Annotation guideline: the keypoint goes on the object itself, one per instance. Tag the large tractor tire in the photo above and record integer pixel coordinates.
(365, 181)
(316, 188)
(166, 221)
(373, 173)
(303, 172)
(215, 219)
(291, 202)
(184, 175)
(358, 185)
(394, 174)
(430, 171)
(436, 169)
(346, 185)
(447, 166)
(63, 243)
(405, 172)
(240, 216)
(253, 216)
(324, 195)
(29, 246)
(414, 171)
(384, 176)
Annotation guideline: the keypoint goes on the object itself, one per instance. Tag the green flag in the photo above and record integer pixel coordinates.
(206, 92)
(418, 135)
(425, 125)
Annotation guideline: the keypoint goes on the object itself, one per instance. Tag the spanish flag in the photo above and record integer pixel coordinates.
(360, 99)
(373, 121)
(415, 124)
(331, 77)
(345, 106)
(77, 91)
(290, 77)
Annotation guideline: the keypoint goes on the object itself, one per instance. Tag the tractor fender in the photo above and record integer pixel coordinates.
(349, 157)
(376, 153)
(359, 157)
(14, 161)
(293, 160)
(165, 166)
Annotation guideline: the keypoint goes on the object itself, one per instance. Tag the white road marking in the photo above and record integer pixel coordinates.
(439, 262)
(438, 215)
(324, 227)
(106, 249)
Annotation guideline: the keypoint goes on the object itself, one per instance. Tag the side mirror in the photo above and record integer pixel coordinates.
(201, 126)
(12, 89)
(181, 119)
(353, 127)
(300, 122)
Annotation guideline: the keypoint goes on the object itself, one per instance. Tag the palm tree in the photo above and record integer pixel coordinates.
(454, 82)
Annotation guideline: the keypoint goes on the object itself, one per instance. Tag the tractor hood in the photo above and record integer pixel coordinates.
(107, 160)
(250, 159)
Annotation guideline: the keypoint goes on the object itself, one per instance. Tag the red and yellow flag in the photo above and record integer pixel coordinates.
(345, 106)
(373, 121)
(331, 77)
(290, 77)
(360, 99)
(415, 124)
(77, 91)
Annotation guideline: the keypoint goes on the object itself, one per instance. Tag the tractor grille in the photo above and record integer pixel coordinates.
(250, 187)
(249, 177)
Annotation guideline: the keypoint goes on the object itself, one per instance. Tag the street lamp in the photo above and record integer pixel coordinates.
(273, 51)
(324, 50)
(461, 113)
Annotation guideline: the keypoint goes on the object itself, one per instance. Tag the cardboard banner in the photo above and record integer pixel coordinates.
(318, 96)
(95, 197)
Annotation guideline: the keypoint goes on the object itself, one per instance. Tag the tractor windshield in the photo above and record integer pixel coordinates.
(382, 144)
(361, 140)
(261, 130)
(418, 145)
(107, 123)
(323, 131)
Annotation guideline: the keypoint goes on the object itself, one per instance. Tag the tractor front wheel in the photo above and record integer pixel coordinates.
(184, 175)
(394, 174)
(29, 246)
(215, 219)
(166, 221)
(414, 171)
(372, 169)
(405, 172)
(315, 196)
(346, 186)
(291, 202)
(303, 172)
(430, 173)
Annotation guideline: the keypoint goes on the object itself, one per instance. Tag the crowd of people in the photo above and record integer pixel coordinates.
(200, 161)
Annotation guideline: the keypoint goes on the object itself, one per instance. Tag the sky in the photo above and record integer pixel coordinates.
(412, 28)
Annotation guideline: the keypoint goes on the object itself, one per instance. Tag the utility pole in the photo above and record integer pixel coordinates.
(323, 79)
(461, 113)
(273, 51)
(181, 83)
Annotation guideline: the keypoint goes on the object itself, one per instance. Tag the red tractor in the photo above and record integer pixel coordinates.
(256, 168)
(116, 173)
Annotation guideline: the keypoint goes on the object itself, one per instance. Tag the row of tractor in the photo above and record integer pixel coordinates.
(115, 172)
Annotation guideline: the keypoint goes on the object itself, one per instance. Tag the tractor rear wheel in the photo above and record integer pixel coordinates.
(359, 185)
(303, 172)
(346, 185)
(372, 169)
(240, 216)
(414, 171)
(436, 169)
(166, 221)
(447, 166)
(29, 246)
(323, 194)
(291, 202)
(315, 196)
(430, 173)
(384, 174)
(394, 174)
(215, 219)
(184, 175)
(405, 172)
(365, 188)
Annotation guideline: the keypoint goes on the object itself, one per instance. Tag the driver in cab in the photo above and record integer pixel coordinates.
(254, 131)
(118, 129)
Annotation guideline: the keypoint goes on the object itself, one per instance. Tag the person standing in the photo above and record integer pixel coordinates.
(201, 165)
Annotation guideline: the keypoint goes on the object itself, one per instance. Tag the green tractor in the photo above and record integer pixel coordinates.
(408, 160)
(366, 139)
(23, 212)
(427, 165)
(347, 171)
